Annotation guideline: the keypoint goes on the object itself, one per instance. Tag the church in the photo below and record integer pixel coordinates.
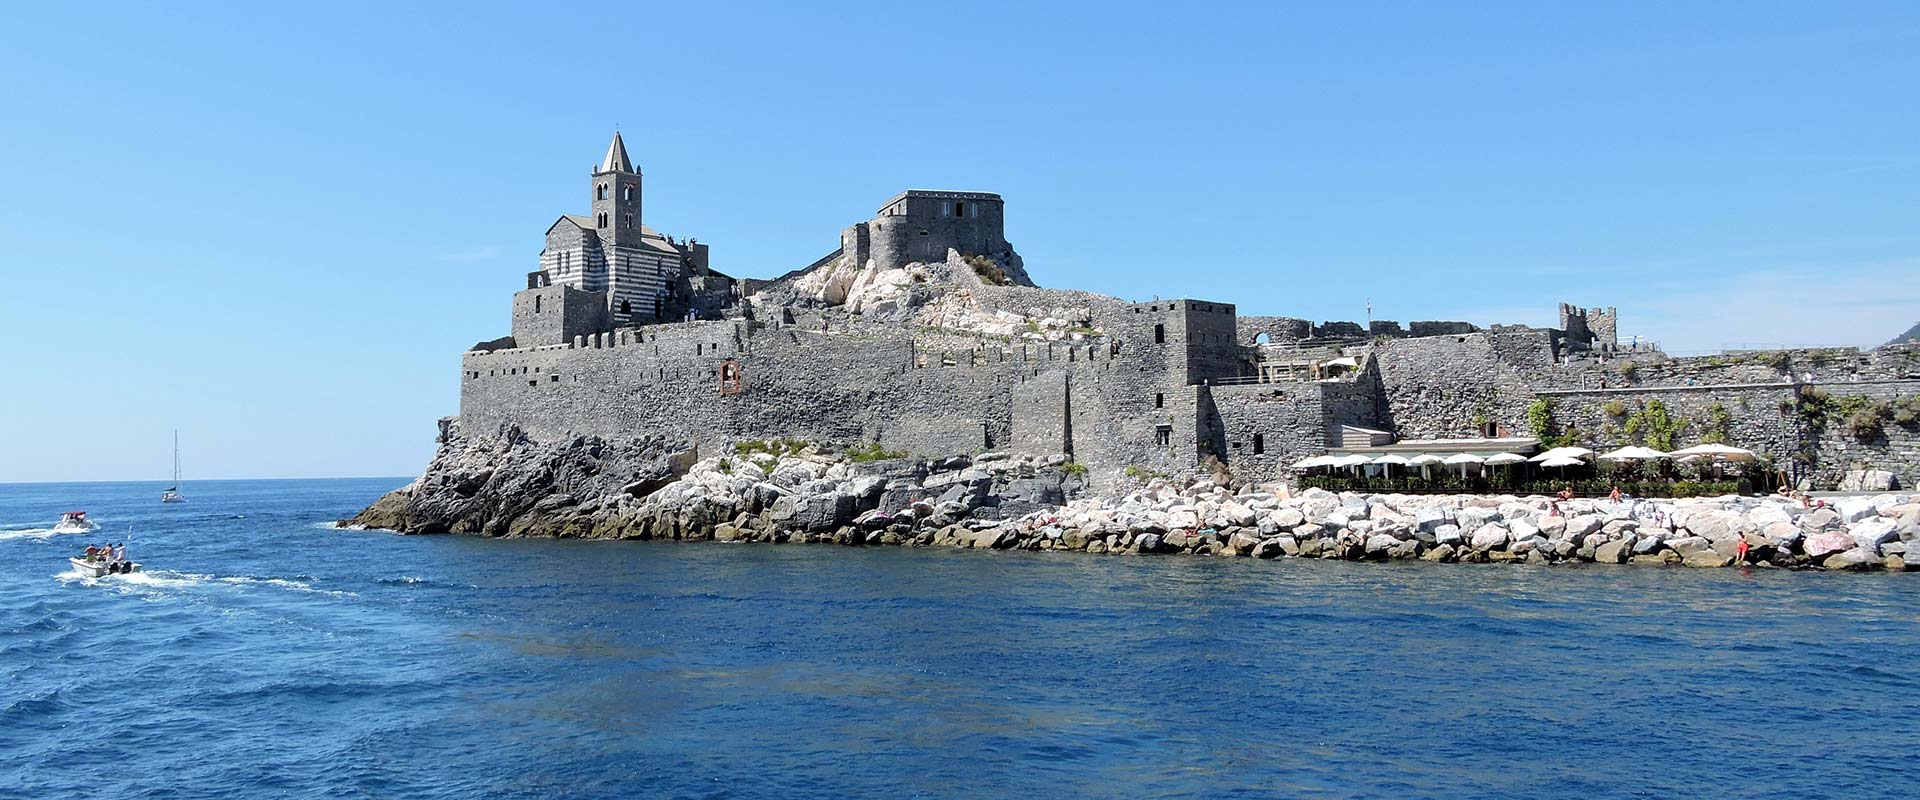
(641, 275)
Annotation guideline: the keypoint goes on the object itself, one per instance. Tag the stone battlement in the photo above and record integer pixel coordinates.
(923, 332)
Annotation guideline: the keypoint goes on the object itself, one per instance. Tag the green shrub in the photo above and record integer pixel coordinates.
(1628, 369)
(1614, 408)
(1074, 469)
(772, 447)
(1655, 425)
(988, 270)
(872, 451)
(1719, 420)
(1865, 416)
(1777, 359)
(1906, 410)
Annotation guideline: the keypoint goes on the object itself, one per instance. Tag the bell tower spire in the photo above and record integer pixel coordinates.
(616, 196)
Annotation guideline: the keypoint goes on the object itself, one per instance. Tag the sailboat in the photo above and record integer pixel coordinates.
(172, 494)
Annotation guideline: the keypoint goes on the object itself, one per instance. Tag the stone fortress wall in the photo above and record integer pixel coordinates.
(1164, 386)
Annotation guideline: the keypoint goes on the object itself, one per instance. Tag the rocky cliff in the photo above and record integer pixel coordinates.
(504, 484)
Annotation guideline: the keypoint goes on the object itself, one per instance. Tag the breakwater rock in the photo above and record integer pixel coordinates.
(1857, 533)
(506, 485)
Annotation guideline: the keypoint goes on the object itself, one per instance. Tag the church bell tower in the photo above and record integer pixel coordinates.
(616, 197)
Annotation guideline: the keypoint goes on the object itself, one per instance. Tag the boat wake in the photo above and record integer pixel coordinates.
(170, 580)
(26, 533)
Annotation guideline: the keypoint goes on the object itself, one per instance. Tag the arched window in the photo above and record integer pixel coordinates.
(600, 192)
(1263, 338)
(626, 192)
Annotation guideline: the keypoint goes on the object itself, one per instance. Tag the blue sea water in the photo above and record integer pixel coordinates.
(265, 654)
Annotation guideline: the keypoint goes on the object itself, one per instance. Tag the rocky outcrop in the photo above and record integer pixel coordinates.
(506, 485)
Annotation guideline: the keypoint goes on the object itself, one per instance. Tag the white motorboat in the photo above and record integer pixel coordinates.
(172, 494)
(99, 568)
(75, 522)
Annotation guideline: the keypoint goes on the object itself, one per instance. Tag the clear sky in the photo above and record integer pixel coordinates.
(276, 228)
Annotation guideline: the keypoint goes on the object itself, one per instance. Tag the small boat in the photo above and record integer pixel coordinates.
(97, 568)
(75, 522)
(172, 494)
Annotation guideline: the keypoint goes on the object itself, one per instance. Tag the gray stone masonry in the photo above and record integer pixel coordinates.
(953, 364)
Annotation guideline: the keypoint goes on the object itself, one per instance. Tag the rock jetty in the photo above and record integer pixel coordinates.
(799, 492)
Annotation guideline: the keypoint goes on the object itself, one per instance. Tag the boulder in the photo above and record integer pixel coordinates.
(1614, 552)
(1685, 545)
(1431, 518)
(1707, 558)
(1439, 553)
(1552, 527)
(1489, 536)
(1821, 545)
(1580, 526)
(1646, 544)
(1270, 548)
(1242, 543)
(1867, 480)
(1448, 534)
(1872, 533)
(1855, 509)
(1821, 519)
(1147, 543)
(1381, 543)
(1288, 518)
(1856, 559)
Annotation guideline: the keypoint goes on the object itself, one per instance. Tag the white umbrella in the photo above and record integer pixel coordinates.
(1388, 461)
(1634, 453)
(1558, 452)
(1717, 451)
(1354, 461)
(1314, 461)
(1463, 459)
(1426, 458)
(1563, 462)
(1505, 458)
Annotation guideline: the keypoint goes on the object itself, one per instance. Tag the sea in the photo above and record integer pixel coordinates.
(265, 653)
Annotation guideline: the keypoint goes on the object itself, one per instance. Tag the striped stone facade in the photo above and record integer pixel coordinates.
(611, 250)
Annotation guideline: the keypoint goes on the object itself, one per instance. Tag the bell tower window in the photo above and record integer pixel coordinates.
(626, 193)
(600, 192)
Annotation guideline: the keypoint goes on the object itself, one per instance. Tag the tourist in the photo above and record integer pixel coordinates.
(1614, 495)
(1740, 549)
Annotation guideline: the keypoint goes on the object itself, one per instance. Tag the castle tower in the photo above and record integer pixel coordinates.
(616, 197)
(634, 278)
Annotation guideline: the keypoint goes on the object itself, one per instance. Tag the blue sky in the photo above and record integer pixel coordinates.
(275, 228)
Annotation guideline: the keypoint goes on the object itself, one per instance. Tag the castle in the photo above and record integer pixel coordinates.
(923, 332)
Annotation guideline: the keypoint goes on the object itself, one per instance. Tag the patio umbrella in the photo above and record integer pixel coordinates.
(1506, 460)
(1562, 462)
(1718, 452)
(1562, 452)
(1386, 463)
(1354, 461)
(1635, 453)
(1425, 460)
(1311, 462)
(1463, 459)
